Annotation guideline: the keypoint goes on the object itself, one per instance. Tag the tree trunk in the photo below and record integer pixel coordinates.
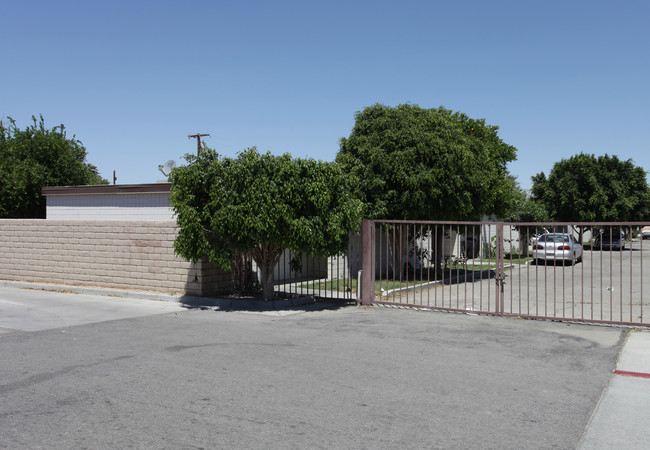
(241, 271)
(266, 256)
(524, 242)
(267, 281)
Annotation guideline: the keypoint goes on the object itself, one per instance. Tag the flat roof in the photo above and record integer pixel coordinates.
(108, 189)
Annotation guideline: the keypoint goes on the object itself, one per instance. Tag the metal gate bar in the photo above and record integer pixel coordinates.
(427, 264)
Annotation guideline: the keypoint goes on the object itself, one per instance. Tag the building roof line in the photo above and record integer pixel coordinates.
(108, 189)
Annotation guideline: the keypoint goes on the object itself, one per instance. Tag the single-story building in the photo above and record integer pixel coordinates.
(148, 202)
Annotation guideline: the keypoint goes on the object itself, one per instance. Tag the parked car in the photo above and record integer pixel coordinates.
(645, 232)
(536, 236)
(614, 240)
(554, 247)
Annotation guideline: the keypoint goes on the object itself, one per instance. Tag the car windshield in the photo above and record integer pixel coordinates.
(554, 238)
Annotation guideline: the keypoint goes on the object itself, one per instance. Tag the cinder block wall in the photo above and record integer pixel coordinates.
(116, 254)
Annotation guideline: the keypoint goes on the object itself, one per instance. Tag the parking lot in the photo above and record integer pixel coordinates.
(606, 286)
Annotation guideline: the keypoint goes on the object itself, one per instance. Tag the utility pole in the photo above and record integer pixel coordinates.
(198, 141)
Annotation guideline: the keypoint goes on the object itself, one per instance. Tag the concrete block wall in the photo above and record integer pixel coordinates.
(116, 254)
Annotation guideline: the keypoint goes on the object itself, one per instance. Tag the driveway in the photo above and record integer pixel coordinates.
(344, 378)
(606, 286)
(46, 307)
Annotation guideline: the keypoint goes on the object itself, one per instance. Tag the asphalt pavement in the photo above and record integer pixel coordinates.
(82, 370)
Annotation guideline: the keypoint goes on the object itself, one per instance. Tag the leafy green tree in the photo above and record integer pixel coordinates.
(412, 163)
(526, 209)
(262, 204)
(36, 157)
(586, 188)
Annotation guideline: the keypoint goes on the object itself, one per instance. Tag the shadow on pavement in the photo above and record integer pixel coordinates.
(307, 303)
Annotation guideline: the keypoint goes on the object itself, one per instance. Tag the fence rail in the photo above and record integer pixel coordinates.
(327, 278)
(589, 272)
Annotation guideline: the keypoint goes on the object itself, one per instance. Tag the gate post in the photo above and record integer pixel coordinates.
(500, 271)
(367, 262)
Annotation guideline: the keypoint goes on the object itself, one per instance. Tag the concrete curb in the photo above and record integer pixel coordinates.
(186, 300)
(621, 417)
(88, 290)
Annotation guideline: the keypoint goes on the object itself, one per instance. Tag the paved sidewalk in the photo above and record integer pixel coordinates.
(623, 414)
(189, 301)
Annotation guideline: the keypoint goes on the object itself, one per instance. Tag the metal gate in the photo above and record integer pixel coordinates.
(586, 272)
(331, 278)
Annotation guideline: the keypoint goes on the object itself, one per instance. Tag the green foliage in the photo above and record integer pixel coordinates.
(263, 204)
(525, 208)
(36, 157)
(427, 164)
(586, 188)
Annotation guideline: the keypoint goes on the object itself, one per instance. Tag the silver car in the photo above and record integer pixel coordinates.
(552, 247)
(645, 232)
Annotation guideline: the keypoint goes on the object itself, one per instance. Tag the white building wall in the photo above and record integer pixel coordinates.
(151, 206)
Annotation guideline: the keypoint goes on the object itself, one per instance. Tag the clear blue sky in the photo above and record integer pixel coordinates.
(131, 79)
